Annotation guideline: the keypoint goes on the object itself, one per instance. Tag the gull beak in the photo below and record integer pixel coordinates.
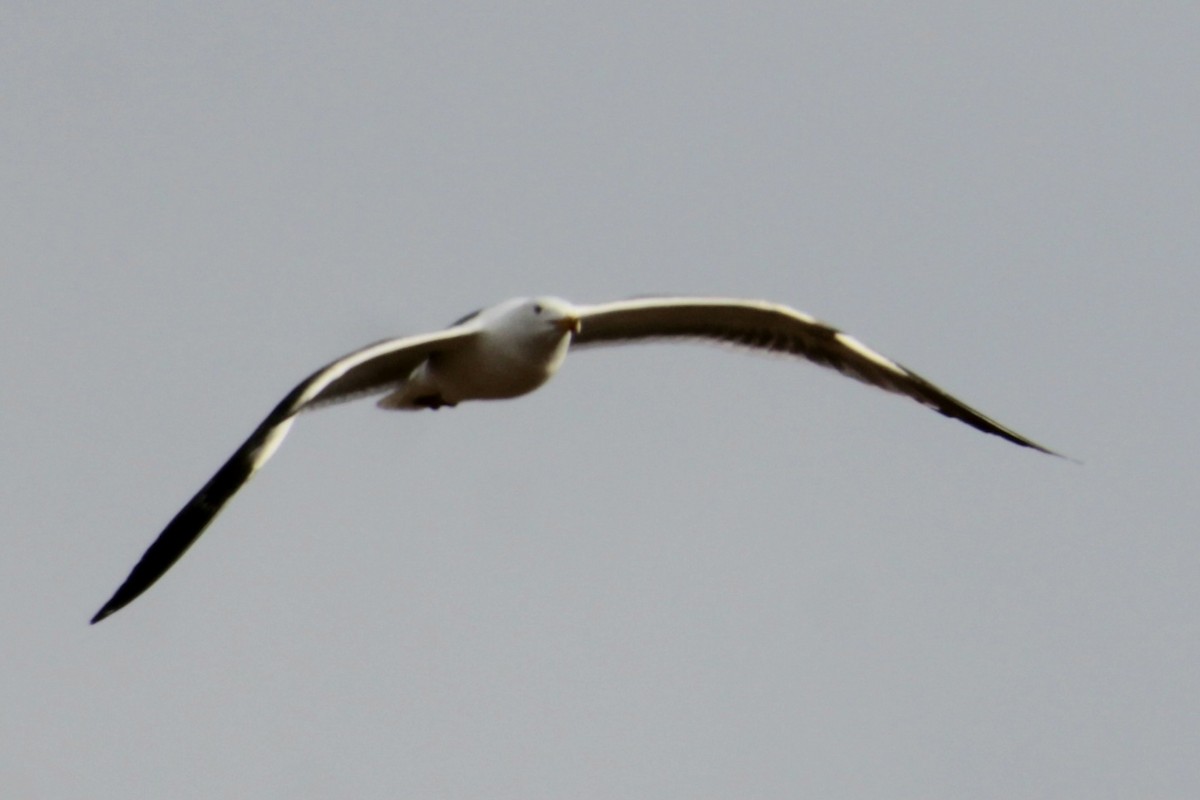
(570, 323)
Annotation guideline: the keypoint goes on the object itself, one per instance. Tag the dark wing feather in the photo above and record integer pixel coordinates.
(372, 369)
(775, 328)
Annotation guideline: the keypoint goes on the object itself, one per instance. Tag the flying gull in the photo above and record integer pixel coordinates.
(513, 348)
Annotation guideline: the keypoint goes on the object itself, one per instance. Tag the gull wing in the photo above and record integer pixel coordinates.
(373, 369)
(766, 326)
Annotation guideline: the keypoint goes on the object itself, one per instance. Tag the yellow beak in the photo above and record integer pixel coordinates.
(570, 323)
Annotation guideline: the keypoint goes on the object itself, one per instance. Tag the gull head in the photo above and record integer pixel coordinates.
(535, 331)
(554, 312)
(531, 319)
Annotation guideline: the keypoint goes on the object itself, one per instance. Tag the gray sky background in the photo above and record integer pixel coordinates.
(674, 571)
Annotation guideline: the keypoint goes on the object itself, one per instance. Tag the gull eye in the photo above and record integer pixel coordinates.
(537, 308)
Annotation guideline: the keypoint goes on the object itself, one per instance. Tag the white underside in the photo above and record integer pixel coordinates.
(481, 372)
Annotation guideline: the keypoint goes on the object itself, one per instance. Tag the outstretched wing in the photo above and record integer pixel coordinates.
(767, 326)
(373, 369)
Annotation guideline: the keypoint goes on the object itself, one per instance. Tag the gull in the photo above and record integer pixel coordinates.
(514, 347)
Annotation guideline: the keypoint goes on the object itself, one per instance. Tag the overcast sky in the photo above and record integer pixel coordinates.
(675, 571)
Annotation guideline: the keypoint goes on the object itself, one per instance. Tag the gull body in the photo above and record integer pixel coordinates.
(511, 349)
(517, 346)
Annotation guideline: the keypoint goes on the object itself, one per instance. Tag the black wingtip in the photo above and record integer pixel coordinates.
(115, 603)
(1023, 442)
(1064, 457)
(164, 552)
(187, 525)
(1015, 438)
